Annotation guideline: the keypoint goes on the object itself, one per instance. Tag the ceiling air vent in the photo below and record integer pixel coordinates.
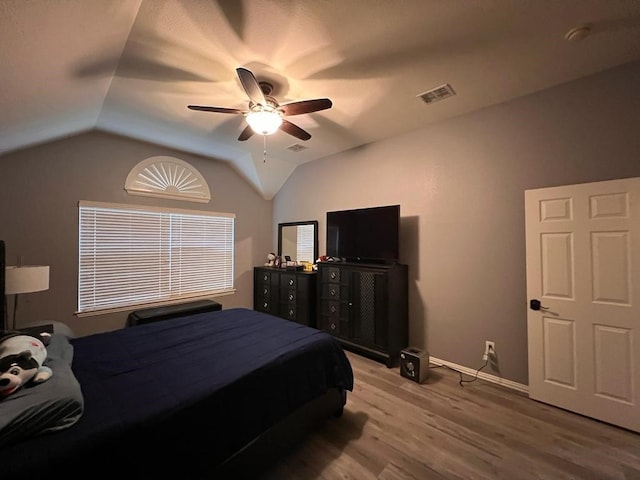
(436, 94)
(296, 147)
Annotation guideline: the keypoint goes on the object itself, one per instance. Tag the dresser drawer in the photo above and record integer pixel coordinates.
(331, 274)
(287, 294)
(335, 310)
(288, 281)
(265, 290)
(334, 291)
(264, 305)
(264, 276)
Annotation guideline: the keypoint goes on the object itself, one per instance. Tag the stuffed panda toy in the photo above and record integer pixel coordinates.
(21, 362)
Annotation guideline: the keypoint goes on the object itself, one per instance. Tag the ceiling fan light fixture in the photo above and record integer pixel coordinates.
(264, 122)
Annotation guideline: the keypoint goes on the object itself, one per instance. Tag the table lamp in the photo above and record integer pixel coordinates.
(25, 279)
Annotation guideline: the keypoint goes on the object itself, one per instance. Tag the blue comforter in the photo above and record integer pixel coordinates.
(221, 377)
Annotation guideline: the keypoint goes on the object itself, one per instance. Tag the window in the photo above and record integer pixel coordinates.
(132, 255)
(167, 177)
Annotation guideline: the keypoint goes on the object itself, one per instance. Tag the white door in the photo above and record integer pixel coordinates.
(583, 266)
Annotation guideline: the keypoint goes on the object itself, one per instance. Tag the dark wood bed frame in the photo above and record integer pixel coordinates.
(280, 438)
(261, 452)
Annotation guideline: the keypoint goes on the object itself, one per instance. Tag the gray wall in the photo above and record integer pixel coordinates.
(41, 187)
(461, 188)
(460, 185)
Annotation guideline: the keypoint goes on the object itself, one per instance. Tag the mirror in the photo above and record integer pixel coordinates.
(298, 240)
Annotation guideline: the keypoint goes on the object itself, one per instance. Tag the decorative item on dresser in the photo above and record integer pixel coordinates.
(285, 293)
(366, 307)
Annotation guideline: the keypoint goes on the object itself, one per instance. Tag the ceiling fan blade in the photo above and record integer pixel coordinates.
(246, 133)
(215, 109)
(250, 85)
(305, 106)
(294, 130)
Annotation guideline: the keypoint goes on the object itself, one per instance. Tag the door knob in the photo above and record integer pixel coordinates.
(536, 305)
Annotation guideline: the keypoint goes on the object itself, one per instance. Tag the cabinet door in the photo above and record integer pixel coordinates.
(370, 308)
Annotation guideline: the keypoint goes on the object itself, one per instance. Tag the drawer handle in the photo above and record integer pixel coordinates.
(333, 275)
(333, 309)
(291, 282)
(265, 277)
(291, 296)
(332, 292)
(265, 291)
(332, 326)
(265, 305)
(291, 312)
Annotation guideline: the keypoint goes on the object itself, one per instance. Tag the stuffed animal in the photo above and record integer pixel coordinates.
(21, 362)
(271, 260)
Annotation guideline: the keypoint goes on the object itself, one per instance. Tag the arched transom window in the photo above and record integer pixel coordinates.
(167, 177)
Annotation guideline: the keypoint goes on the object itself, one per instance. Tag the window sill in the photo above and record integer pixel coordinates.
(129, 308)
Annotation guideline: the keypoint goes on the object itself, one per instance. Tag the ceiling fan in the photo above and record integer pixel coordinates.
(265, 114)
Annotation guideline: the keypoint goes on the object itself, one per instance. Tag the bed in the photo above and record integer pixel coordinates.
(201, 396)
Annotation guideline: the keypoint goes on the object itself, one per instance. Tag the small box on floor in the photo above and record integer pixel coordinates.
(414, 364)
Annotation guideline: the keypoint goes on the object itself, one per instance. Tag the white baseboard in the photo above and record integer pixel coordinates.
(482, 375)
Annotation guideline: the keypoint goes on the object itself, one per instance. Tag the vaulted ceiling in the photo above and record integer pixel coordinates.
(131, 67)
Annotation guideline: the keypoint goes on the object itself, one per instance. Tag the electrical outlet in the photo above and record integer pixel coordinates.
(489, 349)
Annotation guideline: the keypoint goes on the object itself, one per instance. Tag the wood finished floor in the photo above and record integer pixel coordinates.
(395, 429)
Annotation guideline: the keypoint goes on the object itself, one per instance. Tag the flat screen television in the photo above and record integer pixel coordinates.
(364, 234)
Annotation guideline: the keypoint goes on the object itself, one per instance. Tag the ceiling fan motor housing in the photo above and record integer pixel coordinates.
(266, 87)
(272, 105)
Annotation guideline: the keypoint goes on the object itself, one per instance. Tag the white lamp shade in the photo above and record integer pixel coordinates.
(264, 122)
(30, 278)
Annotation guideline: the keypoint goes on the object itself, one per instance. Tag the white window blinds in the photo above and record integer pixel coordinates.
(132, 255)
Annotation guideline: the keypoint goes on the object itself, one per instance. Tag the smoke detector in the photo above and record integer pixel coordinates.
(437, 94)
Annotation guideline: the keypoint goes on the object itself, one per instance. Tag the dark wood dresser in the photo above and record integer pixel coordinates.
(290, 294)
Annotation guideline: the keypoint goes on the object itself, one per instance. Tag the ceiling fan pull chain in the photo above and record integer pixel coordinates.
(264, 153)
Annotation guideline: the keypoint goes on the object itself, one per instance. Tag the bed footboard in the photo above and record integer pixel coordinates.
(260, 453)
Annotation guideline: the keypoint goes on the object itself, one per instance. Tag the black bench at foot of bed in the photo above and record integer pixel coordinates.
(165, 312)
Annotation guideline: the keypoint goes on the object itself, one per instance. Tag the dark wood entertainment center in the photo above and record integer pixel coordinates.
(365, 306)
